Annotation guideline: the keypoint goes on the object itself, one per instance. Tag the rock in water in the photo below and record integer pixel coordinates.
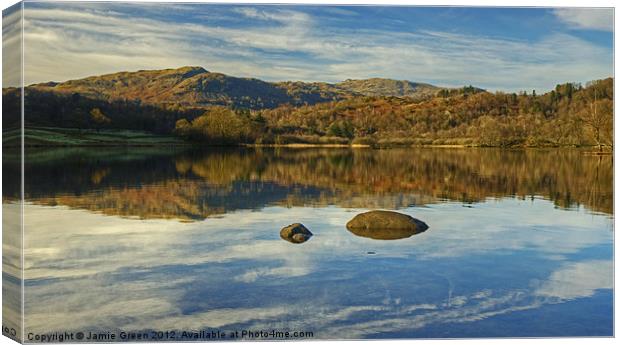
(295, 233)
(385, 225)
(300, 238)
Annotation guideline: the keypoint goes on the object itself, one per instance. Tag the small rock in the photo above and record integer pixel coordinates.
(295, 233)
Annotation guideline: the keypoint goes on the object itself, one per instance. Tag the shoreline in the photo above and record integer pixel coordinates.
(593, 151)
(43, 137)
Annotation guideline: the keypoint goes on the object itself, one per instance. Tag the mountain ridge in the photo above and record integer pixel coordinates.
(195, 86)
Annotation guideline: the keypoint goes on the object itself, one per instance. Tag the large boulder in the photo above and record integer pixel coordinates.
(385, 225)
(295, 233)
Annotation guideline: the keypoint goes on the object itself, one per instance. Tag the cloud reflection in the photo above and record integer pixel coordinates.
(235, 271)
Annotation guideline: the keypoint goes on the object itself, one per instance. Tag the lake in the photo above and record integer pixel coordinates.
(148, 240)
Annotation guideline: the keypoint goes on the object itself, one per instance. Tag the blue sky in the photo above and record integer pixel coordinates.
(495, 48)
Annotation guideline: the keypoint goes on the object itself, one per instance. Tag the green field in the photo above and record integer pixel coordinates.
(50, 136)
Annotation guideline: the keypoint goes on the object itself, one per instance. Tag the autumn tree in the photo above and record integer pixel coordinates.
(183, 128)
(341, 129)
(221, 125)
(99, 118)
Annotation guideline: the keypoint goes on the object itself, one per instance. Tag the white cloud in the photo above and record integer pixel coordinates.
(587, 18)
(580, 279)
(11, 48)
(286, 44)
(66, 44)
(282, 16)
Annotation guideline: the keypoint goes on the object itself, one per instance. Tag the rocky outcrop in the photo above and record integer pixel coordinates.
(385, 225)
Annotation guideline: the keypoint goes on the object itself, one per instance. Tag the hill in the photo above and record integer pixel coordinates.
(197, 87)
(212, 108)
(388, 87)
(569, 115)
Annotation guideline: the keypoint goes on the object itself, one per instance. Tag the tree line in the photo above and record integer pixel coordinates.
(570, 115)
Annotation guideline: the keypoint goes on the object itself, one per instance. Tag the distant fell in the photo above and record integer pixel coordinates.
(193, 86)
(388, 87)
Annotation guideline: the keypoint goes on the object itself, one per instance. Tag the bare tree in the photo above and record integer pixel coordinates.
(598, 118)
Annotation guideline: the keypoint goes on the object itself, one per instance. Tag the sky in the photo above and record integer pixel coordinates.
(508, 49)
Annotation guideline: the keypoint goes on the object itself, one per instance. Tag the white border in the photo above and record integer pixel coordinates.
(472, 3)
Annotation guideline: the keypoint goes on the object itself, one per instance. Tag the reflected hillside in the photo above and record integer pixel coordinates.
(194, 185)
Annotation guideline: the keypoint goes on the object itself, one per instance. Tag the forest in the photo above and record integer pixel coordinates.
(570, 115)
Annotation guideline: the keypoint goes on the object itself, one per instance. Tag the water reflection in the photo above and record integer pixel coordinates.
(235, 272)
(103, 232)
(194, 185)
(384, 234)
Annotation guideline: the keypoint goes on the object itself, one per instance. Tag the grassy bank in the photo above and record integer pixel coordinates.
(48, 136)
(72, 137)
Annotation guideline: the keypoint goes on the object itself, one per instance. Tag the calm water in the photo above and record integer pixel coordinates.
(519, 244)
